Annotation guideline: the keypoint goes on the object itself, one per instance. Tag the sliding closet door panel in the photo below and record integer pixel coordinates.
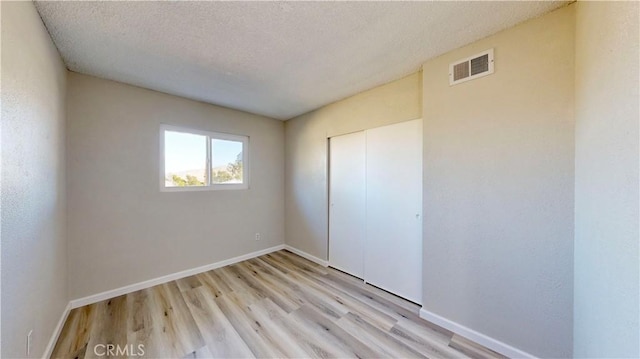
(393, 252)
(347, 202)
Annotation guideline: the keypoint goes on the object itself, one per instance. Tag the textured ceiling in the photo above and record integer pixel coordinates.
(278, 59)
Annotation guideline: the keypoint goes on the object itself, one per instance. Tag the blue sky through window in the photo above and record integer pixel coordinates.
(224, 152)
(187, 151)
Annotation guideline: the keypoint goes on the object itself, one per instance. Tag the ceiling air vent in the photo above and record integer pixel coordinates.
(471, 68)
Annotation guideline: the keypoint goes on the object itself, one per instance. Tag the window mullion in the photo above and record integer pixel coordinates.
(209, 159)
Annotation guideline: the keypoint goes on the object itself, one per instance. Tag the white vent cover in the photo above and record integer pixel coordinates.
(471, 68)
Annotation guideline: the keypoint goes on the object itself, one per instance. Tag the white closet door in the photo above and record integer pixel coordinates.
(347, 202)
(393, 251)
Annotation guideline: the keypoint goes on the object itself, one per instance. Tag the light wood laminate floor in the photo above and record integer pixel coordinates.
(276, 305)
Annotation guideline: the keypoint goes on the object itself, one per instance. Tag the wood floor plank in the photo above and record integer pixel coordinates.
(357, 282)
(139, 314)
(145, 327)
(75, 334)
(307, 290)
(428, 345)
(376, 338)
(298, 262)
(109, 326)
(309, 339)
(274, 306)
(220, 336)
(284, 287)
(238, 285)
(334, 334)
(372, 314)
(281, 276)
(375, 300)
(188, 283)
(267, 288)
(175, 325)
(472, 349)
(346, 302)
(421, 328)
(268, 319)
(261, 343)
(203, 352)
(215, 281)
(212, 284)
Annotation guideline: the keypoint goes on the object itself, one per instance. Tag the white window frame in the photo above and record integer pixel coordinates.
(209, 186)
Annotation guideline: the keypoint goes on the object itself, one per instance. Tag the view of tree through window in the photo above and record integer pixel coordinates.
(189, 162)
(226, 161)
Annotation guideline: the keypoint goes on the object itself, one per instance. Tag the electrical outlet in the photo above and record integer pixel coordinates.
(257, 236)
(29, 341)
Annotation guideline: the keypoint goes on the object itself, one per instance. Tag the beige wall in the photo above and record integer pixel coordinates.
(498, 188)
(122, 229)
(498, 183)
(607, 265)
(306, 153)
(34, 273)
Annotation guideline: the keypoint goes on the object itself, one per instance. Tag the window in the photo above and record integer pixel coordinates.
(200, 160)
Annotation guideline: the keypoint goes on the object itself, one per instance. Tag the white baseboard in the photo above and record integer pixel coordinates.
(306, 255)
(76, 303)
(491, 343)
(56, 332)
